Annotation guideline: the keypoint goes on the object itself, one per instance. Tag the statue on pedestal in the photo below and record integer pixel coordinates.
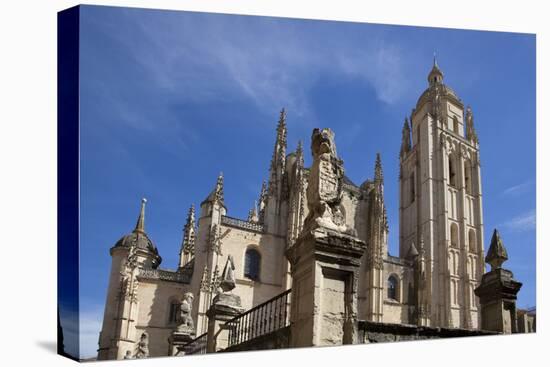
(226, 285)
(324, 191)
(186, 324)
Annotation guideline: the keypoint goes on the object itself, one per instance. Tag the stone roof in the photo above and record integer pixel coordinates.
(446, 91)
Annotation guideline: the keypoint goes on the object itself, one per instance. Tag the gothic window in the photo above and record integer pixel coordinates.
(472, 240)
(252, 264)
(454, 235)
(173, 312)
(412, 189)
(452, 173)
(392, 287)
(468, 177)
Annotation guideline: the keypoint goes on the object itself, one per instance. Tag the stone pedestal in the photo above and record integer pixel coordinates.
(497, 297)
(177, 340)
(225, 306)
(324, 268)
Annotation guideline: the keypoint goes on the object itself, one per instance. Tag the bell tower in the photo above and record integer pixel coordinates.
(441, 205)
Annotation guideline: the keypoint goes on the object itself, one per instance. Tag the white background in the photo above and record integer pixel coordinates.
(28, 179)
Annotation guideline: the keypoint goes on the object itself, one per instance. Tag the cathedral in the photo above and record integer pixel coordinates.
(310, 264)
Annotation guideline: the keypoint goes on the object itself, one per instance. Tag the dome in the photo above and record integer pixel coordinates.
(446, 91)
(139, 238)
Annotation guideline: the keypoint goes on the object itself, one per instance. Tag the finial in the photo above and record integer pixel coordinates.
(282, 115)
(140, 225)
(378, 174)
(496, 255)
(436, 75)
(252, 213)
(219, 189)
(227, 282)
(300, 148)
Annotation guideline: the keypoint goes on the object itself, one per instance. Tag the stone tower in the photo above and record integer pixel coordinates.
(440, 210)
(129, 254)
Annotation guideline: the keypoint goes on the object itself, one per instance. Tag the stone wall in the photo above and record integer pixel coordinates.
(374, 332)
(278, 339)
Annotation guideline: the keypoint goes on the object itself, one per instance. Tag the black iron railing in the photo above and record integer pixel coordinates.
(265, 318)
(196, 346)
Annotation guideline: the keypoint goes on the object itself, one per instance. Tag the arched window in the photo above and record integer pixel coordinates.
(454, 235)
(252, 264)
(472, 240)
(392, 287)
(452, 173)
(173, 313)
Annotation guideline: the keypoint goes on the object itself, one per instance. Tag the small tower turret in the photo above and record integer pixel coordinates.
(187, 251)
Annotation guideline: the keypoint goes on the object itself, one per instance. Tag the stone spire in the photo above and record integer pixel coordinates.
(218, 198)
(496, 255)
(188, 243)
(405, 138)
(279, 155)
(140, 225)
(470, 130)
(378, 174)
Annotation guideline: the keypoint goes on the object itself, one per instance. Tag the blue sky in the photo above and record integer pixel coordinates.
(170, 99)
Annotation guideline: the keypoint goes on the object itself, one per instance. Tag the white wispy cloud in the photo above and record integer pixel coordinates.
(519, 189)
(521, 223)
(203, 59)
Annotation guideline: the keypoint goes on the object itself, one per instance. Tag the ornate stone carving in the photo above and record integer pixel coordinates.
(239, 223)
(205, 281)
(214, 240)
(186, 324)
(167, 275)
(324, 191)
(142, 347)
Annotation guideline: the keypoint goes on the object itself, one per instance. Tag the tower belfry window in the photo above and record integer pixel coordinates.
(467, 177)
(452, 173)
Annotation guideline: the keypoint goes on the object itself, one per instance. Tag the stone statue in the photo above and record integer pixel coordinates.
(128, 355)
(228, 275)
(226, 284)
(142, 349)
(324, 190)
(186, 321)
